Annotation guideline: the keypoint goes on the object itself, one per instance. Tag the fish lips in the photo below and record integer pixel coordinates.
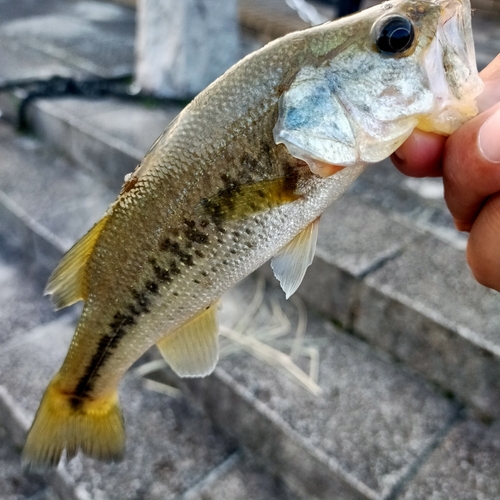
(450, 64)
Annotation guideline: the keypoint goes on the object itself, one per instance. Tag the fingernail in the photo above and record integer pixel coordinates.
(489, 138)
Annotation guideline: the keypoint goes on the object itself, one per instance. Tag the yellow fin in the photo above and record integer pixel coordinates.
(64, 421)
(242, 200)
(68, 283)
(193, 349)
(291, 262)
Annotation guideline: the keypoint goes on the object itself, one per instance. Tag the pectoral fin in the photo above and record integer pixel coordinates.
(292, 261)
(193, 349)
(68, 283)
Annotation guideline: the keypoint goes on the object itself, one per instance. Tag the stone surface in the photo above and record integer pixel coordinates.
(413, 202)
(425, 308)
(36, 65)
(23, 305)
(466, 466)
(106, 137)
(354, 240)
(358, 439)
(87, 36)
(14, 483)
(56, 202)
(486, 40)
(183, 47)
(240, 480)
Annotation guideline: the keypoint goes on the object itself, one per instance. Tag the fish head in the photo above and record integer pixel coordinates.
(373, 77)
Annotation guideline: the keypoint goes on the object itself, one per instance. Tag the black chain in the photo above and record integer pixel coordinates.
(58, 86)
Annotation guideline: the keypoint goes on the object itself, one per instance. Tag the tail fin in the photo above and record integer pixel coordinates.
(64, 421)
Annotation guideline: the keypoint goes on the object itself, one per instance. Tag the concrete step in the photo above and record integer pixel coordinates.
(14, 483)
(295, 432)
(338, 419)
(87, 37)
(57, 38)
(32, 179)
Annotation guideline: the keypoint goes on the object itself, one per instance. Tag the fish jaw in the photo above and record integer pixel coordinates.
(451, 67)
(362, 104)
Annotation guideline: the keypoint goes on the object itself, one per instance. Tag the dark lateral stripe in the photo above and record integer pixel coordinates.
(119, 329)
(242, 200)
(104, 350)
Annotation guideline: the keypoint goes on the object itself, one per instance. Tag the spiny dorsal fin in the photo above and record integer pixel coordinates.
(193, 349)
(291, 262)
(68, 283)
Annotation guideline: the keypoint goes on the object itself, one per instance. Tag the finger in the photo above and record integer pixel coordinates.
(483, 247)
(420, 155)
(471, 166)
(491, 78)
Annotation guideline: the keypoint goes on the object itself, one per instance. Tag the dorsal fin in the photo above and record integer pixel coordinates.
(68, 283)
(291, 262)
(193, 349)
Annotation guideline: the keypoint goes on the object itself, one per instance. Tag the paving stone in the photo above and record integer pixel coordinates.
(354, 239)
(14, 483)
(417, 203)
(23, 305)
(45, 202)
(90, 36)
(465, 466)
(36, 65)
(486, 39)
(106, 136)
(239, 479)
(425, 308)
(25, 8)
(357, 440)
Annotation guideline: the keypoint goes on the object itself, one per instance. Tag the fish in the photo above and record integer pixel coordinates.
(240, 176)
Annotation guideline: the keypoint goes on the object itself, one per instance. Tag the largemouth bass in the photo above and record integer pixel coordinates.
(242, 175)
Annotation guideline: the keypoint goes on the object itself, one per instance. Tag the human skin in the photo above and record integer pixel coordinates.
(469, 162)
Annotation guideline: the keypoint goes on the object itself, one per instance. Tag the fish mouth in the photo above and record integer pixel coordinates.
(450, 63)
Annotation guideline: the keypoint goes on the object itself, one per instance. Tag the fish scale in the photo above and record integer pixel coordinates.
(242, 175)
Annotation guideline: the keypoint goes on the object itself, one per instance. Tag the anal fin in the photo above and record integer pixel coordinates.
(193, 349)
(291, 262)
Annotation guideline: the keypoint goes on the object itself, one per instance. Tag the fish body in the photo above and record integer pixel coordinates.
(242, 175)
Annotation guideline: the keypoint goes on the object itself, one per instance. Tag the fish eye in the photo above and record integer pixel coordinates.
(394, 35)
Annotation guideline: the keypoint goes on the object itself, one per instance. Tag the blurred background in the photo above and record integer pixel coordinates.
(379, 379)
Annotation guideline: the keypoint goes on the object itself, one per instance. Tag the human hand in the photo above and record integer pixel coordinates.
(469, 161)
